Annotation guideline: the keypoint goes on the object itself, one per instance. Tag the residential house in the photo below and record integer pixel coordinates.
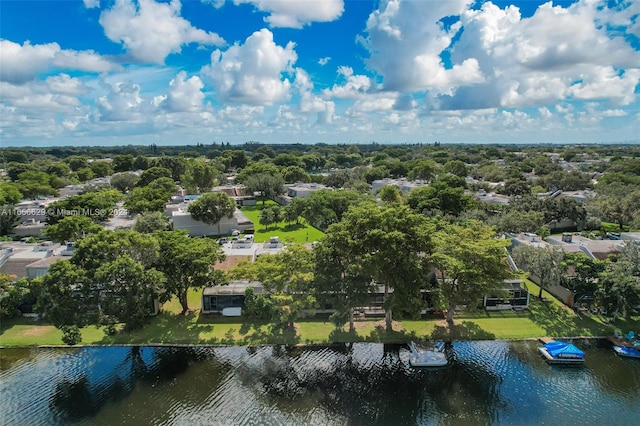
(403, 185)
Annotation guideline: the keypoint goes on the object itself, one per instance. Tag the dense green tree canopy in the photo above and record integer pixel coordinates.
(287, 278)
(151, 221)
(71, 228)
(212, 207)
(471, 263)
(188, 263)
(124, 182)
(619, 289)
(393, 244)
(9, 194)
(152, 174)
(325, 207)
(97, 205)
(266, 184)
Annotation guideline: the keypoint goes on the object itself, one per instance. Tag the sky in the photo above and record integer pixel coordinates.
(176, 72)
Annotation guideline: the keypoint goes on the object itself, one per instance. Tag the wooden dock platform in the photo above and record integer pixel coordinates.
(545, 340)
(620, 342)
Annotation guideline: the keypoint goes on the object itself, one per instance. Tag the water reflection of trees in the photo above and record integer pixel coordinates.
(374, 389)
(615, 376)
(85, 395)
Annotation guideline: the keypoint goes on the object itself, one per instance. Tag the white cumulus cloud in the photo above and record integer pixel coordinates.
(296, 14)
(122, 103)
(185, 95)
(151, 31)
(22, 63)
(253, 72)
(405, 40)
(556, 54)
(91, 4)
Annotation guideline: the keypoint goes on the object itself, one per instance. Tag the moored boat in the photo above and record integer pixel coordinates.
(557, 352)
(427, 357)
(627, 351)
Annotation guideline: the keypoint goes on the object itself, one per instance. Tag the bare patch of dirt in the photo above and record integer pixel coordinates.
(397, 326)
(230, 262)
(35, 331)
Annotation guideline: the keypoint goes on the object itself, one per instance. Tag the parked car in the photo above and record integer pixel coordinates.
(223, 240)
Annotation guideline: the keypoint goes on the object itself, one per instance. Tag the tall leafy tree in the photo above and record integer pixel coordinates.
(325, 207)
(141, 163)
(470, 262)
(340, 277)
(34, 183)
(60, 301)
(394, 244)
(390, 194)
(124, 182)
(71, 228)
(287, 278)
(9, 194)
(619, 287)
(423, 170)
(438, 197)
(267, 185)
(152, 197)
(106, 246)
(187, 263)
(96, 205)
(152, 174)
(149, 222)
(109, 279)
(544, 264)
(122, 162)
(267, 217)
(582, 273)
(100, 168)
(212, 207)
(456, 167)
(293, 174)
(128, 291)
(294, 210)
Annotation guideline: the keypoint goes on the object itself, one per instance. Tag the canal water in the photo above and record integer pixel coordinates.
(487, 382)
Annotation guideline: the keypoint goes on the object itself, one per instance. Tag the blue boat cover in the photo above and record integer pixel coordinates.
(559, 349)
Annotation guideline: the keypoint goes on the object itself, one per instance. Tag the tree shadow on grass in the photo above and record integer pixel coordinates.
(381, 335)
(339, 335)
(166, 327)
(293, 227)
(255, 331)
(560, 321)
(465, 330)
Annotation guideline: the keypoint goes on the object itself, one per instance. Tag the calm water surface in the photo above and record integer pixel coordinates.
(488, 382)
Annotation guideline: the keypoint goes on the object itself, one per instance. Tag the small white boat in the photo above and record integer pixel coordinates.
(427, 357)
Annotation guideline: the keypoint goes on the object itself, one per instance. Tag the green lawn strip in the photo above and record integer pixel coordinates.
(548, 317)
(29, 332)
(298, 233)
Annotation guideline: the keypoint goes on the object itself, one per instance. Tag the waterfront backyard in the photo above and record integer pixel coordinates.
(544, 318)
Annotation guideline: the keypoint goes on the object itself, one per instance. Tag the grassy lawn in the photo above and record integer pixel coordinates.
(545, 318)
(298, 233)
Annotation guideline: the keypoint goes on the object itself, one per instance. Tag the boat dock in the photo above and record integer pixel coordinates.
(620, 342)
(545, 340)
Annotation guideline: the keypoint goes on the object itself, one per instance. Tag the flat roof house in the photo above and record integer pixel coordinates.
(227, 300)
(182, 220)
